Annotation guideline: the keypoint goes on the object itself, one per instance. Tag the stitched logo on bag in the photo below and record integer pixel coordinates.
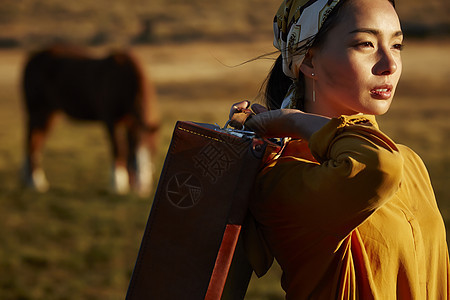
(184, 190)
(214, 160)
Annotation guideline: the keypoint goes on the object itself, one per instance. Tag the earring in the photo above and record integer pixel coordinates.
(314, 88)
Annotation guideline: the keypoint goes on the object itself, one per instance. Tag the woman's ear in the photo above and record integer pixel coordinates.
(307, 66)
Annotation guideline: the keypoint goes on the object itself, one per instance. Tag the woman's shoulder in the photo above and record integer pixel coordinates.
(409, 154)
(413, 162)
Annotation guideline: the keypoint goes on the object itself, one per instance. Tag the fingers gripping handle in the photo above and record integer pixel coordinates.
(239, 118)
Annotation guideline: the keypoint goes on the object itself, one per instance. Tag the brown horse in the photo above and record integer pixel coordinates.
(112, 90)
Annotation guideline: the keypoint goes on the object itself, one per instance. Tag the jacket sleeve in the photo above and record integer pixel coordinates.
(358, 169)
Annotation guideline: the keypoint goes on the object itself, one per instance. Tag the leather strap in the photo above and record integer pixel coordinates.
(235, 220)
(223, 262)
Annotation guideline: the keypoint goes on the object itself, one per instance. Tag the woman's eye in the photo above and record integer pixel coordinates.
(398, 47)
(365, 45)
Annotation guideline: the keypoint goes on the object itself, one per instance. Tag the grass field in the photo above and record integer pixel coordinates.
(33, 22)
(78, 241)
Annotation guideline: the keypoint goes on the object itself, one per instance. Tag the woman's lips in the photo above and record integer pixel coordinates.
(382, 92)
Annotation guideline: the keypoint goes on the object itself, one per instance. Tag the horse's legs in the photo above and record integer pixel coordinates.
(147, 128)
(140, 162)
(144, 171)
(33, 175)
(119, 178)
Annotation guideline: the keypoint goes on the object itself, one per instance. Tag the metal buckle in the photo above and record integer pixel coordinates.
(236, 132)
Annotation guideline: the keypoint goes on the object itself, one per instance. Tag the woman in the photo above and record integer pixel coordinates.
(347, 213)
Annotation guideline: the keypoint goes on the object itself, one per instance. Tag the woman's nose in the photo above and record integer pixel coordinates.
(386, 64)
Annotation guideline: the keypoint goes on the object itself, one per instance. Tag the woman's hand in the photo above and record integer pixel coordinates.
(237, 107)
(280, 122)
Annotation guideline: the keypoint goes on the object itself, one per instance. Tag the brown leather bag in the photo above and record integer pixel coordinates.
(192, 234)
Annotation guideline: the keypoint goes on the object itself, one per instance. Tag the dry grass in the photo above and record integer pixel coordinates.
(34, 22)
(79, 242)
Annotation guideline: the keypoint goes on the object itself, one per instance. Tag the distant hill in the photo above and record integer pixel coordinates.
(121, 22)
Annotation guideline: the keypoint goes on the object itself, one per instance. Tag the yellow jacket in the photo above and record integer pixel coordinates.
(353, 218)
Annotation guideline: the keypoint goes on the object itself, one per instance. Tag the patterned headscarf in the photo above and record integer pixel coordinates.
(295, 27)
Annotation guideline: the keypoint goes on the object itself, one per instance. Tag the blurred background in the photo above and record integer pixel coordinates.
(79, 241)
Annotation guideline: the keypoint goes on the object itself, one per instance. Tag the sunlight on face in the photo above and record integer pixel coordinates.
(359, 65)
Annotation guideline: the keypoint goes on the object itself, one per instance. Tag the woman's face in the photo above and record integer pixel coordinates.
(358, 66)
